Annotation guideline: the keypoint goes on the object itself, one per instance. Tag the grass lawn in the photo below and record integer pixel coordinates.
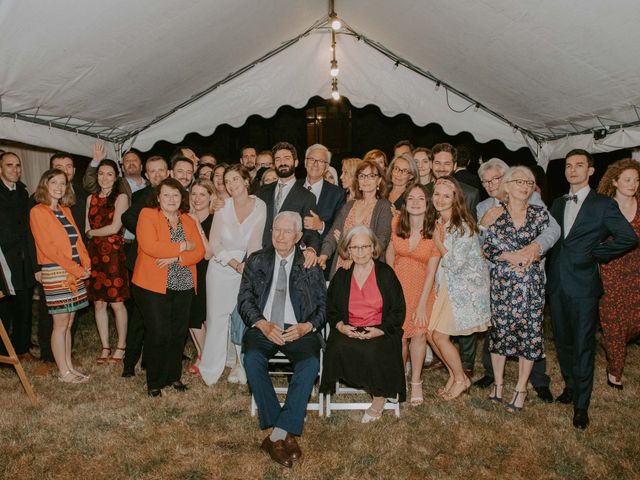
(109, 428)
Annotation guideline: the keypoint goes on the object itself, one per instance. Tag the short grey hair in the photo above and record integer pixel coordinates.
(493, 163)
(412, 167)
(345, 241)
(510, 173)
(293, 216)
(318, 146)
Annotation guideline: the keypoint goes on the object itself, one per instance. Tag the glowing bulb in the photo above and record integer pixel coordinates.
(336, 24)
(334, 68)
(335, 95)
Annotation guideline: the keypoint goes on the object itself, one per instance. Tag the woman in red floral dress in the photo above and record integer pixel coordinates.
(620, 305)
(109, 281)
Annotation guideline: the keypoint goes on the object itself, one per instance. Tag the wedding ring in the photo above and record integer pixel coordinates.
(520, 264)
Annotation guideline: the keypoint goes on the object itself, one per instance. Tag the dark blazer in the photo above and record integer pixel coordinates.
(14, 234)
(393, 304)
(331, 199)
(139, 201)
(574, 259)
(468, 178)
(298, 200)
(307, 289)
(471, 195)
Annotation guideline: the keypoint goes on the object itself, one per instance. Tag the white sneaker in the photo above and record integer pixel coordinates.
(237, 375)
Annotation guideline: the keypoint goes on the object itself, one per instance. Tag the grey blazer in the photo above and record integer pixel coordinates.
(380, 224)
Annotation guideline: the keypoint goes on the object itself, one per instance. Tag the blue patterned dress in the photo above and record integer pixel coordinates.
(517, 298)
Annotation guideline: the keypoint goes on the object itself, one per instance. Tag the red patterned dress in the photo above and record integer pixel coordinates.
(109, 280)
(620, 304)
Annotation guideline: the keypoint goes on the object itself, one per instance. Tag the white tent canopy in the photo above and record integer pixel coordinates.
(539, 74)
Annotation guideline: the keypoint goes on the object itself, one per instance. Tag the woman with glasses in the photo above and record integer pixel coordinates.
(517, 288)
(365, 309)
(369, 208)
(401, 174)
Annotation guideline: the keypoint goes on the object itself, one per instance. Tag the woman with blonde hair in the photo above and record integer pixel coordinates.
(402, 173)
(65, 264)
(348, 176)
(620, 304)
(377, 156)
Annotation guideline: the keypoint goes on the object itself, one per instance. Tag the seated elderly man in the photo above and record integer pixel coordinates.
(283, 305)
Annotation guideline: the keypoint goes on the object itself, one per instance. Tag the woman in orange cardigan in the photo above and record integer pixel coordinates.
(65, 264)
(164, 279)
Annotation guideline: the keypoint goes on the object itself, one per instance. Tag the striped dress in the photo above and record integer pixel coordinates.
(64, 293)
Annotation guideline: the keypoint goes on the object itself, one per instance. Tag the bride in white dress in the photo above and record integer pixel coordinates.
(236, 233)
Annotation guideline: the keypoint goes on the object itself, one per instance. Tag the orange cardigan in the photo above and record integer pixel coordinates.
(52, 242)
(154, 242)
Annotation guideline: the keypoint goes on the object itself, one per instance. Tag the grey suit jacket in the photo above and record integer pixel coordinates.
(546, 239)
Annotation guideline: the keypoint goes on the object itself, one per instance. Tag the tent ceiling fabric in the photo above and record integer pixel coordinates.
(550, 68)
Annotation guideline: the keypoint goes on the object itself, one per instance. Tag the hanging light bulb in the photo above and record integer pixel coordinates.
(335, 94)
(334, 68)
(336, 24)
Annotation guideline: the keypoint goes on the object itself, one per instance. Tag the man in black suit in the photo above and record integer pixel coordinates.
(593, 231)
(62, 161)
(156, 169)
(283, 305)
(287, 195)
(329, 197)
(444, 162)
(463, 158)
(15, 310)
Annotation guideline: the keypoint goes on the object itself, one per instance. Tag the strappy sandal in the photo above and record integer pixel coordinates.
(101, 360)
(466, 386)
(194, 369)
(371, 414)
(494, 396)
(70, 377)
(512, 407)
(417, 398)
(113, 359)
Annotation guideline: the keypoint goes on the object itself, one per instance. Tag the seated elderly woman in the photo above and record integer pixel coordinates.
(366, 309)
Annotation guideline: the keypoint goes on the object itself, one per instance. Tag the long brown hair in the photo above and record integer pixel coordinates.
(460, 216)
(41, 194)
(170, 182)
(606, 186)
(403, 228)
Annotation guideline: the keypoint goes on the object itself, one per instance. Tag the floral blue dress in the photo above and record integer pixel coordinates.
(517, 297)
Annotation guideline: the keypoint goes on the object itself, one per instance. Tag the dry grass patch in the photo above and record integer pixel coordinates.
(110, 428)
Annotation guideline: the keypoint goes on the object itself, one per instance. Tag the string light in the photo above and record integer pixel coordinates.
(334, 71)
(335, 94)
(336, 24)
(334, 68)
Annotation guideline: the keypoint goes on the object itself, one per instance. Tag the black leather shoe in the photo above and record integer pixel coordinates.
(127, 373)
(565, 397)
(484, 382)
(179, 386)
(544, 394)
(155, 392)
(580, 418)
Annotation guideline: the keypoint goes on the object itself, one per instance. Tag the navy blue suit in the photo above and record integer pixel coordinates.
(599, 234)
(331, 199)
(298, 200)
(307, 289)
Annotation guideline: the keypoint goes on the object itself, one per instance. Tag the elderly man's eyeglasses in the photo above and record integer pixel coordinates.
(367, 176)
(315, 161)
(492, 181)
(520, 182)
(360, 248)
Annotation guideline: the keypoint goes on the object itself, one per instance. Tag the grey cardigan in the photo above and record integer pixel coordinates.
(380, 224)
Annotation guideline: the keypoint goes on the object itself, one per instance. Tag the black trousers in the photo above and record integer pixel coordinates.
(166, 323)
(45, 327)
(135, 335)
(15, 311)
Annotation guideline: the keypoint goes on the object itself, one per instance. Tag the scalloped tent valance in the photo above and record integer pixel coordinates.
(537, 74)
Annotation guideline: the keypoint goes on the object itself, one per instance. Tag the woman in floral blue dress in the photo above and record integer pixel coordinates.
(517, 288)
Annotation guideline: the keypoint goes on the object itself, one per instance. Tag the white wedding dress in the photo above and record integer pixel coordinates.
(229, 240)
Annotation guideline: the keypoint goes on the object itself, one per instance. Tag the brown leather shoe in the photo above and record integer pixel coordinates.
(293, 449)
(277, 451)
(42, 369)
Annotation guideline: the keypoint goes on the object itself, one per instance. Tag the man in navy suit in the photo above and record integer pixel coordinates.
(329, 197)
(283, 305)
(287, 195)
(593, 231)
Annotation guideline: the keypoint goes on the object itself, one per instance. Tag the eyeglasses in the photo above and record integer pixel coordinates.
(402, 171)
(367, 176)
(492, 180)
(315, 161)
(520, 182)
(360, 248)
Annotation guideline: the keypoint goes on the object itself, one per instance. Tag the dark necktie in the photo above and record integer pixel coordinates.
(279, 296)
(570, 197)
(279, 199)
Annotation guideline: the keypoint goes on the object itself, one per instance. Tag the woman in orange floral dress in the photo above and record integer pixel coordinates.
(414, 257)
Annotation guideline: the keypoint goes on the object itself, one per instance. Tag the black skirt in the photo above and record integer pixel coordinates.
(374, 366)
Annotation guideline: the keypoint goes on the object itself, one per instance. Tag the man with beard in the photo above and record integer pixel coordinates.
(182, 170)
(248, 159)
(287, 195)
(131, 166)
